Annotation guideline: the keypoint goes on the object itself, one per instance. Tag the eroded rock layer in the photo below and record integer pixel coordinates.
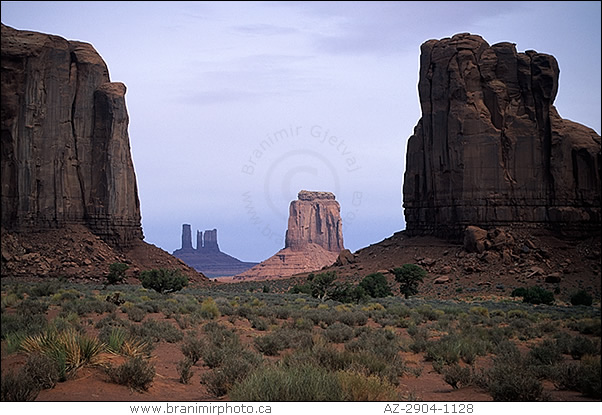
(491, 149)
(65, 145)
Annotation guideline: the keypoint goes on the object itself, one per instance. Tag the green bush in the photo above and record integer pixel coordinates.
(192, 348)
(534, 295)
(376, 285)
(270, 344)
(581, 297)
(117, 272)
(510, 383)
(359, 387)
(288, 384)
(338, 332)
(233, 370)
(457, 376)
(18, 387)
(155, 330)
(163, 280)
(409, 276)
(209, 309)
(136, 373)
(184, 371)
(583, 377)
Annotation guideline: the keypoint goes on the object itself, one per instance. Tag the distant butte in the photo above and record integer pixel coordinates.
(207, 257)
(314, 238)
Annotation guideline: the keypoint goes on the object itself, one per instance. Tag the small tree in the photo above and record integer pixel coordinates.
(117, 272)
(376, 285)
(409, 276)
(322, 284)
(163, 280)
(581, 297)
(534, 295)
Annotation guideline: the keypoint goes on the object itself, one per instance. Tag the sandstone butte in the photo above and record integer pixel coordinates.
(314, 238)
(207, 257)
(491, 150)
(66, 162)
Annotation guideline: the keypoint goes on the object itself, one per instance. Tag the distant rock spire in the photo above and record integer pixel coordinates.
(186, 237)
(210, 241)
(199, 240)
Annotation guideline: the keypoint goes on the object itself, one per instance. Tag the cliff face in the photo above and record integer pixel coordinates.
(314, 238)
(65, 146)
(490, 148)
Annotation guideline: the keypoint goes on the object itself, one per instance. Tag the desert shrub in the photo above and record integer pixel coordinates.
(135, 313)
(156, 331)
(376, 285)
(409, 276)
(22, 325)
(353, 318)
(445, 350)
(419, 338)
(534, 295)
(163, 280)
(303, 324)
(233, 370)
(338, 332)
(209, 309)
(270, 344)
(258, 323)
(184, 371)
(323, 355)
(546, 353)
(457, 376)
(41, 370)
(137, 373)
(506, 350)
(581, 297)
(117, 272)
(382, 342)
(510, 382)
(44, 289)
(32, 306)
(288, 384)
(192, 348)
(429, 313)
(219, 344)
(318, 316)
(359, 387)
(587, 326)
(582, 346)
(17, 387)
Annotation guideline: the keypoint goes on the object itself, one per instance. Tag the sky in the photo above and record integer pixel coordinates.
(237, 106)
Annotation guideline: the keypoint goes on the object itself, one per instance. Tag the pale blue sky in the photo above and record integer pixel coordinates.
(209, 83)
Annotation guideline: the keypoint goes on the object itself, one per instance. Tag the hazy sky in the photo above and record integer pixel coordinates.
(235, 107)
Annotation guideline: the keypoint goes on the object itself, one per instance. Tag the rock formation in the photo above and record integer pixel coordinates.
(207, 257)
(491, 150)
(314, 238)
(314, 219)
(65, 146)
(69, 199)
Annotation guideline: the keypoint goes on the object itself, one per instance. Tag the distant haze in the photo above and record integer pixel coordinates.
(237, 106)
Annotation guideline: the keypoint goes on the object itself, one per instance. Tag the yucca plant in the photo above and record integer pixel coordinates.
(69, 349)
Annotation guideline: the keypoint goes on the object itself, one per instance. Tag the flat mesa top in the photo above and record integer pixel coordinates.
(309, 195)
